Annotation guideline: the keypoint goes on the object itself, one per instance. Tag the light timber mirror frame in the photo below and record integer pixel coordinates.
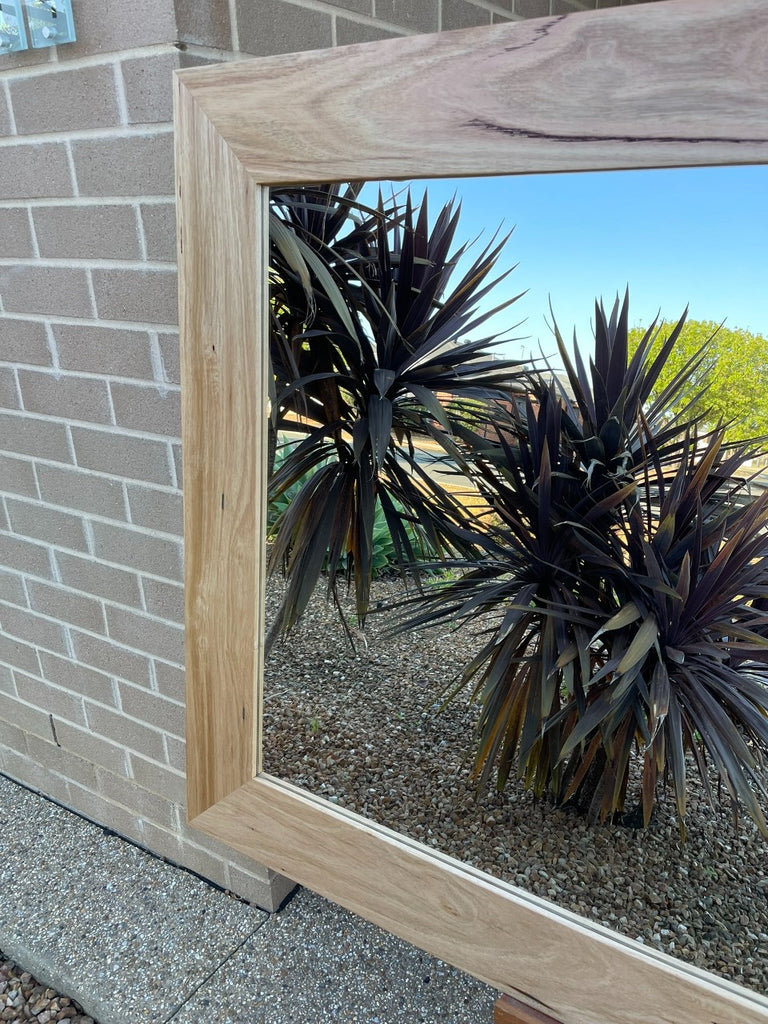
(675, 83)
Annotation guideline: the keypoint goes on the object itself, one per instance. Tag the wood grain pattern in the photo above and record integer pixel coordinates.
(680, 82)
(574, 970)
(647, 86)
(507, 1010)
(222, 260)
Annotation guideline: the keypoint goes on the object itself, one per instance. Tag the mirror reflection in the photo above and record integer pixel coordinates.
(517, 602)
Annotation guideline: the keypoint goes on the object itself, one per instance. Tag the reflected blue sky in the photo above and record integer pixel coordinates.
(675, 237)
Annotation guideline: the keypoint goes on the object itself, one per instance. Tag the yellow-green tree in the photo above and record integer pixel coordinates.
(733, 368)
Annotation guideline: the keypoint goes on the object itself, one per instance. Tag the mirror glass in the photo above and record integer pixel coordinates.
(360, 717)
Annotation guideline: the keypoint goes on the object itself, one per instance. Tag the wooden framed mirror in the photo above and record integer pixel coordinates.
(679, 83)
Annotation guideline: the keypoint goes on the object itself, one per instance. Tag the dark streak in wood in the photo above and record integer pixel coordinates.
(530, 133)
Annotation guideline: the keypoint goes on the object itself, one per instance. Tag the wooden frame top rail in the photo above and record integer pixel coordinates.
(678, 83)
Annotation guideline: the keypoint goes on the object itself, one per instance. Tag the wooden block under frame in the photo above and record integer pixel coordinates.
(679, 83)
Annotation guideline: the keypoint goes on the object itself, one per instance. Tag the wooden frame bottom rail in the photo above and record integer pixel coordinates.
(679, 83)
(507, 1010)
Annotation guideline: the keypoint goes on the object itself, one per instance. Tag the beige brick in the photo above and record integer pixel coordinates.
(35, 170)
(419, 15)
(7, 684)
(12, 588)
(108, 29)
(122, 455)
(24, 341)
(165, 600)
(50, 699)
(204, 24)
(71, 398)
(142, 633)
(149, 87)
(273, 26)
(56, 759)
(65, 101)
(159, 220)
(140, 551)
(32, 629)
(12, 736)
(58, 291)
(361, 6)
(17, 553)
(83, 743)
(18, 654)
(114, 352)
(16, 233)
(146, 296)
(460, 14)
(30, 719)
(107, 657)
(92, 577)
(92, 231)
(154, 710)
(156, 510)
(132, 735)
(41, 522)
(159, 778)
(169, 350)
(135, 165)
(5, 115)
(137, 798)
(29, 773)
(86, 492)
(61, 604)
(170, 682)
(16, 476)
(102, 811)
(25, 435)
(269, 895)
(355, 32)
(9, 396)
(532, 8)
(148, 409)
(72, 676)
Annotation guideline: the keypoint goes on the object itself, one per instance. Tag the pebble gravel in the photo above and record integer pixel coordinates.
(365, 728)
(23, 998)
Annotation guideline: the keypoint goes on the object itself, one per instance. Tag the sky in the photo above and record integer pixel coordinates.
(693, 236)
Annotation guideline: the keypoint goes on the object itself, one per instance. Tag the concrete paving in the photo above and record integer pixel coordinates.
(135, 939)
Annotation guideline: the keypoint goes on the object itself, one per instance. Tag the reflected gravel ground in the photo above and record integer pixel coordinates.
(364, 729)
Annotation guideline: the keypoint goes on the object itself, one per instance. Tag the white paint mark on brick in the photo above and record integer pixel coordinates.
(71, 650)
(141, 233)
(152, 668)
(233, 24)
(158, 365)
(122, 102)
(70, 444)
(55, 571)
(91, 292)
(19, 395)
(172, 467)
(127, 507)
(90, 540)
(53, 350)
(71, 162)
(33, 233)
(9, 105)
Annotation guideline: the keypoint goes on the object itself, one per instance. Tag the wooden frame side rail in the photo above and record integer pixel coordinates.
(658, 85)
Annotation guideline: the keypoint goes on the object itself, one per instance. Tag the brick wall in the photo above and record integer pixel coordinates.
(91, 598)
